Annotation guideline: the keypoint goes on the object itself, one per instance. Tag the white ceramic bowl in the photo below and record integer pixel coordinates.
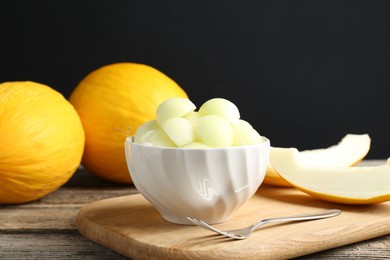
(209, 184)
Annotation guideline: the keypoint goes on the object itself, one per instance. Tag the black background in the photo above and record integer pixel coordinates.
(303, 73)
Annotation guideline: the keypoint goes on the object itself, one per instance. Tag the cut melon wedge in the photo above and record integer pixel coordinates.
(347, 185)
(348, 152)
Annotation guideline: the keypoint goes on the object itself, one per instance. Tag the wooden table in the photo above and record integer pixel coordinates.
(45, 229)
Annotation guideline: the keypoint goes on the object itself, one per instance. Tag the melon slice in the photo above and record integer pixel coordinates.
(348, 152)
(347, 185)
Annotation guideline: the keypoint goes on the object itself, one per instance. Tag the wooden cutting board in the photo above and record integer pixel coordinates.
(130, 226)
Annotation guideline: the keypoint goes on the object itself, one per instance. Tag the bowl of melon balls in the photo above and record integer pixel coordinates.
(203, 163)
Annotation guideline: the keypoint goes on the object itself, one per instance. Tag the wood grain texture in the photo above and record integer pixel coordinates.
(45, 229)
(376, 248)
(50, 245)
(131, 226)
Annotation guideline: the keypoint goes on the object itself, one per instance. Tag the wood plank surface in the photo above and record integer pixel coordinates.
(73, 246)
(66, 245)
(131, 226)
(45, 229)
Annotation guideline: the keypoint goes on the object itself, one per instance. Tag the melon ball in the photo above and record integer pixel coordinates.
(245, 134)
(214, 131)
(173, 107)
(196, 145)
(179, 130)
(192, 116)
(155, 138)
(221, 107)
(216, 124)
(146, 127)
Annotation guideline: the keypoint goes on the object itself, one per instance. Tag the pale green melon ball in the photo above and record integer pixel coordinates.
(155, 138)
(192, 116)
(173, 107)
(196, 145)
(179, 130)
(214, 131)
(221, 107)
(146, 127)
(216, 124)
(245, 134)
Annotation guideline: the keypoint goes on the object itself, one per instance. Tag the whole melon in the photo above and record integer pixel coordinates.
(41, 141)
(113, 101)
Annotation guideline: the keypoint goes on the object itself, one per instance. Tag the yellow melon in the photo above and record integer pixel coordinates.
(113, 101)
(41, 141)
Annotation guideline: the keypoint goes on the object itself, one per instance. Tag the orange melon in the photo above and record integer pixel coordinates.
(113, 101)
(41, 141)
